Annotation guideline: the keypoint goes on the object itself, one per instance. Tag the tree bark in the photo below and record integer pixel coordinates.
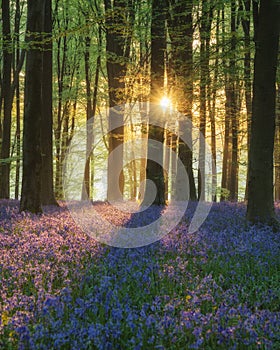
(7, 102)
(247, 76)
(226, 149)
(233, 109)
(211, 97)
(205, 32)
(117, 52)
(47, 187)
(260, 189)
(86, 190)
(32, 158)
(154, 169)
(181, 26)
(17, 88)
(277, 148)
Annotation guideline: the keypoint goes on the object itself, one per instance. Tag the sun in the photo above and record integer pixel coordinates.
(165, 102)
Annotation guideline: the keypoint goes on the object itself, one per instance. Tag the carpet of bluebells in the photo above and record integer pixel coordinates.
(217, 288)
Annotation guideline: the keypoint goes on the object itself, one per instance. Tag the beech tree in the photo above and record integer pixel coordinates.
(32, 162)
(181, 26)
(37, 181)
(154, 170)
(7, 102)
(118, 40)
(277, 145)
(46, 139)
(260, 186)
(205, 33)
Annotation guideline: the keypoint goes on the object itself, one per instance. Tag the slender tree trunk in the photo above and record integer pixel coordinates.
(61, 64)
(154, 169)
(117, 49)
(260, 190)
(17, 87)
(277, 148)
(224, 184)
(47, 187)
(202, 103)
(173, 161)
(233, 107)
(225, 167)
(211, 97)
(66, 74)
(247, 77)
(204, 86)
(181, 26)
(95, 91)
(166, 161)
(32, 160)
(144, 125)
(7, 102)
(17, 142)
(86, 191)
(144, 150)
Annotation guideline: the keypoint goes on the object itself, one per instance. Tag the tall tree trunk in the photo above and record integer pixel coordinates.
(61, 64)
(47, 187)
(233, 107)
(181, 26)
(17, 87)
(18, 146)
(205, 30)
(7, 102)
(144, 47)
(211, 97)
(174, 164)
(117, 51)
(166, 161)
(66, 100)
(277, 147)
(144, 150)
(32, 161)
(95, 91)
(225, 166)
(154, 169)
(247, 75)
(86, 190)
(260, 190)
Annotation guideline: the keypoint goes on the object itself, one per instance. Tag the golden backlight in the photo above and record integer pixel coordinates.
(165, 102)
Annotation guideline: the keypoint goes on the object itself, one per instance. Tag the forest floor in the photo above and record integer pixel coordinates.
(217, 288)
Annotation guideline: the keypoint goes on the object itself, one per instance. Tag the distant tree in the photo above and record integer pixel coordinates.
(86, 190)
(212, 103)
(260, 186)
(67, 66)
(231, 121)
(226, 141)
(205, 34)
